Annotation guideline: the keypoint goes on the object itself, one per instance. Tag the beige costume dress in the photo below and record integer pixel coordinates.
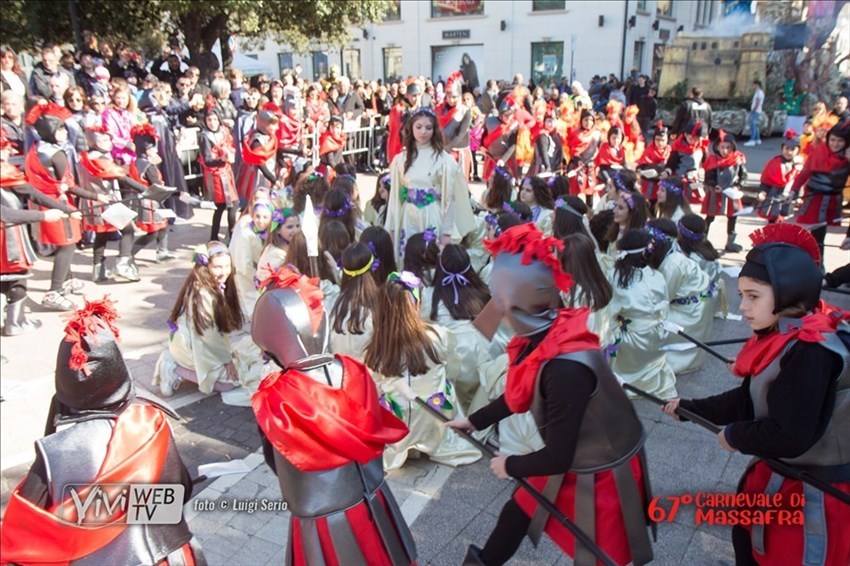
(348, 344)
(245, 249)
(637, 313)
(431, 194)
(714, 271)
(271, 259)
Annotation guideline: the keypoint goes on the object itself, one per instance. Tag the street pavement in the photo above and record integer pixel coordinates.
(446, 508)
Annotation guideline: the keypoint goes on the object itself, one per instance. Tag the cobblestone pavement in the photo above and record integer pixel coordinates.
(446, 508)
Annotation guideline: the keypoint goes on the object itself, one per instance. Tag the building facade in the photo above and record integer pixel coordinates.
(542, 39)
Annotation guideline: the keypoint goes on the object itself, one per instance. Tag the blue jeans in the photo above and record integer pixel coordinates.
(755, 134)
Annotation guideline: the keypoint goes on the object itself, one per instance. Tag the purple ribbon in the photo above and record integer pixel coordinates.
(454, 278)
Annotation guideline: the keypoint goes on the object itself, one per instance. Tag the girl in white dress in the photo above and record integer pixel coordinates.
(406, 348)
(420, 257)
(638, 308)
(693, 243)
(381, 245)
(351, 318)
(535, 194)
(428, 188)
(672, 203)
(246, 246)
(285, 224)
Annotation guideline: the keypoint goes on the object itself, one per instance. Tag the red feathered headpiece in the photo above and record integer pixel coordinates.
(47, 109)
(527, 240)
(454, 83)
(789, 134)
(97, 129)
(86, 323)
(786, 233)
(286, 277)
(145, 129)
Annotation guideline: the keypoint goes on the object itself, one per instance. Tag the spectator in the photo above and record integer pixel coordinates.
(487, 101)
(59, 83)
(756, 109)
(648, 106)
(618, 93)
(349, 104)
(194, 76)
(639, 91)
(172, 73)
(220, 89)
(101, 85)
(85, 76)
(43, 71)
(693, 109)
(124, 65)
(11, 76)
(237, 87)
(12, 123)
(840, 110)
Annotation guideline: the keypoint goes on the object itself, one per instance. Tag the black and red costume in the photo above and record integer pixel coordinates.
(686, 160)
(259, 158)
(723, 173)
(455, 122)
(654, 158)
(778, 174)
(584, 146)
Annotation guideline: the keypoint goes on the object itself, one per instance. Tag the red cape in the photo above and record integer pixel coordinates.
(654, 156)
(820, 160)
(317, 427)
(259, 155)
(716, 162)
(773, 174)
(444, 114)
(11, 176)
(101, 167)
(682, 146)
(580, 141)
(609, 156)
(328, 143)
(41, 179)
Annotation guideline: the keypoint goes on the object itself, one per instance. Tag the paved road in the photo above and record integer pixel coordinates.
(447, 508)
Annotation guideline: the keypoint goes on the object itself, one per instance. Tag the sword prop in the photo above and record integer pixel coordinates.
(676, 329)
(839, 291)
(778, 465)
(405, 391)
(682, 347)
(310, 228)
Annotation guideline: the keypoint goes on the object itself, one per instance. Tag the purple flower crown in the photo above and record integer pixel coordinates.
(339, 213)
(695, 236)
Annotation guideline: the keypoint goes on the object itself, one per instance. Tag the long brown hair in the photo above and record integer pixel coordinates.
(358, 296)
(579, 260)
(227, 313)
(401, 339)
(409, 141)
(472, 296)
(296, 255)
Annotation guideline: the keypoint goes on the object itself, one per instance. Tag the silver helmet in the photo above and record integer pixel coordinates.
(290, 324)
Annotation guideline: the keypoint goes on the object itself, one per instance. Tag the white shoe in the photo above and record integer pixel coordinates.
(758, 142)
(166, 374)
(238, 397)
(750, 143)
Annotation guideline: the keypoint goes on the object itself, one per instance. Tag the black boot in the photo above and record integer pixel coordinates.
(16, 320)
(473, 556)
(99, 273)
(731, 246)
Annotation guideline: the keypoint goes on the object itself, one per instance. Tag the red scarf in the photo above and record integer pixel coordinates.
(581, 140)
(568, 334)
(496, 134)
(136, 454)
(734, 159)
(330, 143)
(774, 173)
(259, 155)
(317, 427)
(652, 155)
(539, 129)
(759, 351)
(41, 179)
(682, 146)
(444, 114)
(609, 155)
(101, 167)
(290, 132)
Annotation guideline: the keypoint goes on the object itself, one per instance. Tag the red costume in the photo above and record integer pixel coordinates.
(777, 174)
(685, 161)
(62, 232)
(98, 168)
(584, 145)
(394, 126)
(140, 171)
(824, 175)
(723, 173)
(330, 153)
(259, 158)
(217, 150)
(653, 158)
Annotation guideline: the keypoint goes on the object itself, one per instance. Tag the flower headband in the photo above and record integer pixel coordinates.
(623, 253)
(629, 198)
(429, 235)
(454, 278)
(508, 207)
(503, 173)
(386, 180)
(424, 110)
(376, 262)
(670, 187)
(658, 235)
(340, 212)
(695, 236)
(617, 179)
(201, 254)
(280, 215)
(263, 203)
(493, 220)
(562, 204)
(409, 280)
(348, 176)
(362, 270)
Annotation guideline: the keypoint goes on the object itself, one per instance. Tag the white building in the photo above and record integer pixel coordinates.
(538, 38)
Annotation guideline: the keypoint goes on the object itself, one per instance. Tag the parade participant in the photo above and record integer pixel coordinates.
(570, 217)
(611, 157)
(824, 175)
(259, 153)
(217, 155)
(558, 373)
(694, 244)
(290, 134)
(48, 170)
(420, 258)
(671, 199)
(145, 170)
(405, 347)
(297, 257)
(333, 240)
(206, 311)
(807, 138)
(591, 287)
(337, 205)
(584, 143)
(633, 144)
(792, 403)
(285, 224)
(405, 104)
(535, 194)
(380, 243)
(100, 432)
(548, 148)
(119, 119)
(246, 119)
(101, 175)
(654, 158)
(725, 168)
(689, 291)
(246, 246)
(331, 144)
(16, 253)
(629, 210)
(353, 314)
(455, 120)
(687, 153)
(638, 308)
(777, 175)
(323, 434)
(428, 187)
(375, 212)
(313, 185)
(500, 190)
(500, 140)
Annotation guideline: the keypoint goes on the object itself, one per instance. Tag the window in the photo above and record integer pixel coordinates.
(351, 63)
(542, 5)
(393, 13)
(448, 8)
(284, 61)
(547, 61)
(641, 5)
(664, 8)
(637, 62)
(392, 64)
(320, 64)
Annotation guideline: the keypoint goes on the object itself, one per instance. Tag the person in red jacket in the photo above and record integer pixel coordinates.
(331, 146)
(500, 140)
(687, 152)
(725, 168)
(455, 120)
(217, 155)
(259, 157)
(611, 156)
(777, 176)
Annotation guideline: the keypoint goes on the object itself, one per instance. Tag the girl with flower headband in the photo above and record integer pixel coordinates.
(406, 348)
(421, 254)
(314, 185)
(535, 194)
(205, 314)
(614, 183)
(375, 212)
(500, 189)
(672, 203)
(246, 246)
(333, 239)
(339, 206)
(570, 217)
(353, 314)
(591, 287)
(689, 292)
(297, 257)
(285, 224)
(456, 298)
(638, 307)
(381, 244)
(217, 155)
(629, 214)
(694, 243)
(428, 187)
